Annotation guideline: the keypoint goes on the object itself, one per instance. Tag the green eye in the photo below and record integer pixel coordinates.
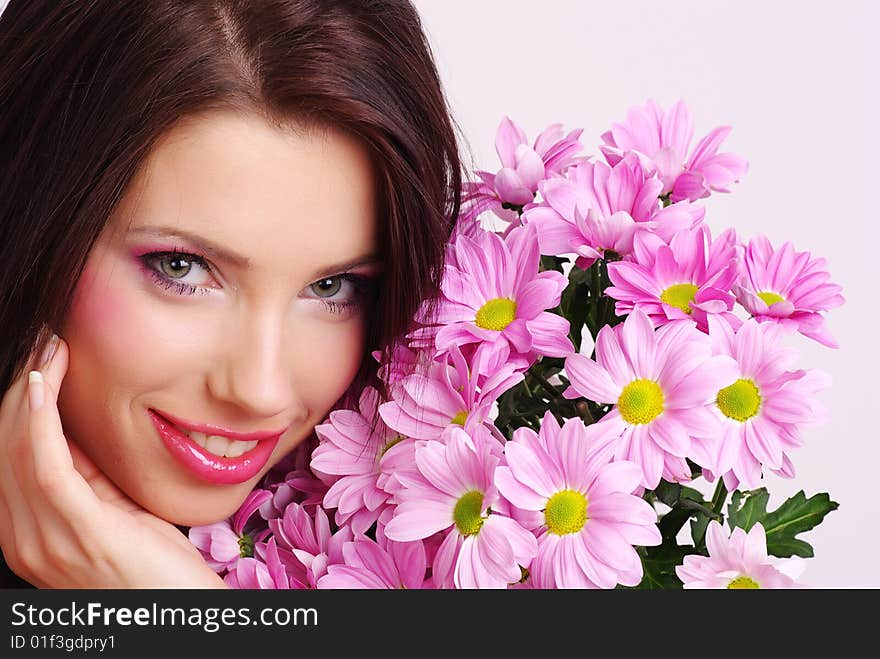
(175, 267)
(327, 287)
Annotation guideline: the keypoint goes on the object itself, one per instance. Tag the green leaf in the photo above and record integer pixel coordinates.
(746, 508)
(797, 515)
(667, 492)
(686, 503)
(549, 262)
(659, 565)
(698, 530)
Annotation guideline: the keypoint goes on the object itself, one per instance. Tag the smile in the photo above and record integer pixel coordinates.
(216, 458)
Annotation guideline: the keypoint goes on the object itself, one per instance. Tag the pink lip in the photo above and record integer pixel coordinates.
(217, 430)
(206, 465)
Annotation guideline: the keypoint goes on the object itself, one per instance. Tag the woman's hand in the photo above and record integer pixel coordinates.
(63, 523)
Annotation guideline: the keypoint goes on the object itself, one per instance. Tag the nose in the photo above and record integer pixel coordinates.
(251, 371)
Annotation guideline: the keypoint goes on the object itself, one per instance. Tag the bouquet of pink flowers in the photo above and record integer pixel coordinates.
(596, 353)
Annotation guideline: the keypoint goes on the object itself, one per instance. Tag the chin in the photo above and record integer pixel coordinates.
(200, 509)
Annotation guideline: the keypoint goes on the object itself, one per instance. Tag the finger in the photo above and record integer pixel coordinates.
(49, 447)
(14, 397)
(54, 367)
(51, 462)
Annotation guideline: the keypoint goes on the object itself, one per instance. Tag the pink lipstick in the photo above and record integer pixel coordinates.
(207, 465)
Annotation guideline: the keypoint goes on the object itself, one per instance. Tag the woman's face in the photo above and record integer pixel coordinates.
(249, 328)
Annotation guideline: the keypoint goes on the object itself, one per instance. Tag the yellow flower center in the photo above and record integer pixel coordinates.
(770, 298)
(743, 583)
(566, 512)
(740, 401)
(460, 418)
(641, 401)
(680, 296)
(467, 513)
(496, 314)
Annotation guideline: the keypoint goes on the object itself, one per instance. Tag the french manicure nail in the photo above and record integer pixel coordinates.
(49, 352)
(35, 390)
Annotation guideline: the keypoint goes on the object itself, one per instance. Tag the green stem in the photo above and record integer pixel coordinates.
(596, 294)
(719, 497)
(583, 410)
(549, 388)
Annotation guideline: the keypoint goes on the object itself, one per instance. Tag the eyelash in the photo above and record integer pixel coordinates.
(364, 286)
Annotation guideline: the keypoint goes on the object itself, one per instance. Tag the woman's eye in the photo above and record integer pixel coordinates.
(356, 290)
(328, 287)
(170, 269)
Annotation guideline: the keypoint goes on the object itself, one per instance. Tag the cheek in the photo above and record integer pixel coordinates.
(331, 356)
(119, 343)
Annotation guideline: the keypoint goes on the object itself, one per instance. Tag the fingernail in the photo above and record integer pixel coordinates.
(49, 352)
(35, 390)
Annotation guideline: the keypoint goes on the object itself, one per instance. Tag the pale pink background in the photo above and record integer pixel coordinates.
(798, 82)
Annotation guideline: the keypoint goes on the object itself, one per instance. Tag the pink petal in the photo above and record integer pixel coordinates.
(591, 380)
(418, 520)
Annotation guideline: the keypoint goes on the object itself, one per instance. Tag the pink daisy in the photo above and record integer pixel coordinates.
(403, 361)
(453, 494)
(252, 573)
(461, 393)
(661, 385)
(368, 565)
(662, 140)
(739, 561)
(310, 541)
(691, 277)
(293, 480)
(224, 544)
(496, 294)
(761, 408)
(789, 288)
(591, 518)
(597, 208)
(353, 447)
(522, 168)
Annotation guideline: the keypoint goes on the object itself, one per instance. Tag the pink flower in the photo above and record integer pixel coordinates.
(523, 167)
(662, 139)
(310, 541)
(460, 393)
(661, 385)
(292, 480)
(761, 409)
(368, 565)
(453, 494)
(224, 544)
(253, 573)
(598, 208)
(739, 561)
(496, 294)
(353, 447)
(591, 518)
(403, 362)
(690, 277)
(788, 287)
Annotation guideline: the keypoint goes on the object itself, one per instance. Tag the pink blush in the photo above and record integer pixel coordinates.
(103, 311)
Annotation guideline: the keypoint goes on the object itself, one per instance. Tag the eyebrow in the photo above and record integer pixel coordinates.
(214, 250)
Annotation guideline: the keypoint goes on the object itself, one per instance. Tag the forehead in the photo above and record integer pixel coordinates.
(278, 197)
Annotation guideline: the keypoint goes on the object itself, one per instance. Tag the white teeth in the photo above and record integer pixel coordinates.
(217, 445)
(221, 446)
(238, 448)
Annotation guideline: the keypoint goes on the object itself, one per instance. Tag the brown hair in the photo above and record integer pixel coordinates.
(88, 86)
